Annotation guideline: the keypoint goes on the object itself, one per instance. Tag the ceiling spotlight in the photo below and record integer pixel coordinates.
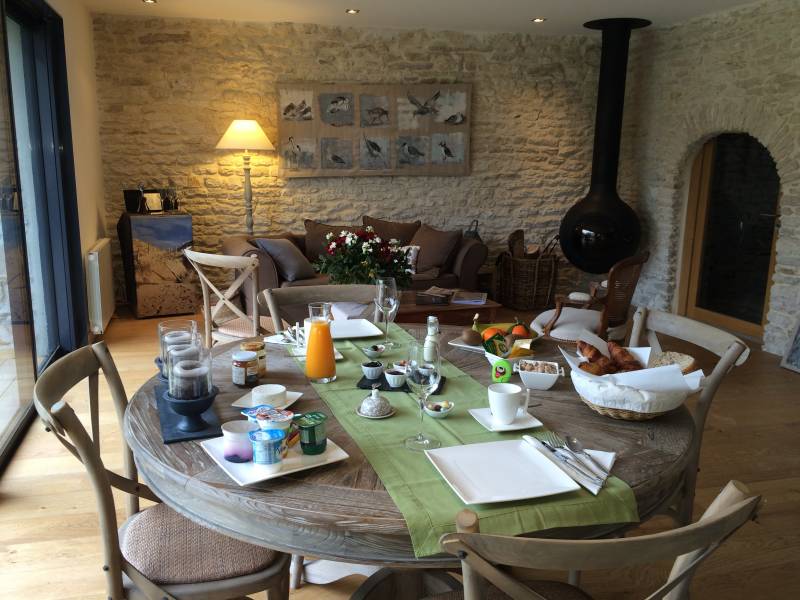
(352, 11)
(150, 1)
(539, 20)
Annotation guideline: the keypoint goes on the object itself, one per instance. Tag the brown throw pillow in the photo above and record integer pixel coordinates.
(315, 236)
(435, 247)
(290, 262)
(387, 230)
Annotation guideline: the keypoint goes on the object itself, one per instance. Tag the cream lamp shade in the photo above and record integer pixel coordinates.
(244, 134)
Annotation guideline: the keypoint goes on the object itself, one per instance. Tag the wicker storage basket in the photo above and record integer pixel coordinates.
(527, 282)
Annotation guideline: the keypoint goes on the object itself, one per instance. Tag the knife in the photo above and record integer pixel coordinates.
(579, 470)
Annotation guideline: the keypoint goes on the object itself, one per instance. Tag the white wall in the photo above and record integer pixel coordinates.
(79, 41)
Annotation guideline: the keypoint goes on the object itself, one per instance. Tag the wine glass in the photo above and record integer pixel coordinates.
(386, 301)
(423, 375)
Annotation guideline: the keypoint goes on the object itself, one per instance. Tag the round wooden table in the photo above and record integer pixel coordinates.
(342, 511)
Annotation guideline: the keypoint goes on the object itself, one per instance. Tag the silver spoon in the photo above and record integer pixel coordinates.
(574, 445)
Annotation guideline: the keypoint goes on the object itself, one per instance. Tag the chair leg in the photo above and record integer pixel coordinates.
(280, 590)
(296, 572)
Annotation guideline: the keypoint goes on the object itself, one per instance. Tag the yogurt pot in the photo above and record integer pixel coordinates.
(267, 448)
(268, 417)
(236, 445)
(252, 413)
(313, 439)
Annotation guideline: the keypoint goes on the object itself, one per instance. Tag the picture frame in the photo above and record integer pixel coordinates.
(791, 356)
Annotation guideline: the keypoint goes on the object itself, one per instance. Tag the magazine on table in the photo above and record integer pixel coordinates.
(459, 296)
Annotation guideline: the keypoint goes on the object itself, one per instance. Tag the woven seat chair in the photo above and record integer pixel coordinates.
(689, 546)
(157, 554)
(607, 316)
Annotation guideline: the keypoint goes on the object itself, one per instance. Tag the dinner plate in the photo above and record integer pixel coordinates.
(523, 421)
(353, 328)
(249, 472)
(246, 401)
(499, 472)
(300, 353)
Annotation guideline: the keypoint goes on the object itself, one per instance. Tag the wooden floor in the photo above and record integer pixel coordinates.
(49, 544)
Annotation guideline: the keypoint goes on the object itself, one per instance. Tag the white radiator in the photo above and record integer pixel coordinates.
(100, 286)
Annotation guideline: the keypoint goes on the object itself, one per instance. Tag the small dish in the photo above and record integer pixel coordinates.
(395, 378)
(400, 365)
(485, 418)
(446, 408)
(386, 416)
(372, 369)
(374, 351)
(538, 380)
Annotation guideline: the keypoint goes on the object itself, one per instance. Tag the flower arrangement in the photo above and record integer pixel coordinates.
(362, 257)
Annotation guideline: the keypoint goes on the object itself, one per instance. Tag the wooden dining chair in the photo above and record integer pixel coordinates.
(226, 321)
(289, 305)
(606, 315)
(483, 555)
(157, 554)
(732, 352)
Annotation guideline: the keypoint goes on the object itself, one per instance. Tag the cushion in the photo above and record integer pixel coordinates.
(315, 236)
(243, 328)
(412, 254)
(552, 590)
(318, 279)
(428, 275)
(169, 548)
(435, 247)
(388, 230)
(290, 262)
(573, 322)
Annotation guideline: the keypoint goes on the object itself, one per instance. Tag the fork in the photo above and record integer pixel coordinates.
(557, 441)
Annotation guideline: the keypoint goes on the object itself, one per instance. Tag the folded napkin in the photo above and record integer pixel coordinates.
(604, 459)
(342, 311)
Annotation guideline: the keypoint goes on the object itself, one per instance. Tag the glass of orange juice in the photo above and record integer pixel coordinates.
(320, 362)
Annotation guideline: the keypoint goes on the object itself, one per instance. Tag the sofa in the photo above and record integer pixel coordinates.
(446, 258)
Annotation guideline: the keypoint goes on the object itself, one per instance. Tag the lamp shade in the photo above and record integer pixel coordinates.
(244, 134)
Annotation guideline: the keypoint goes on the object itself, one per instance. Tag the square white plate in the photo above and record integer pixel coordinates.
(300, 353)
(249, 472)
(524, 420)
(353, 328)
(246, 401)
(499, 472)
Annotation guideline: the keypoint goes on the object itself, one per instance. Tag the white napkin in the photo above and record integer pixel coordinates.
(604, 459)
(342, 311)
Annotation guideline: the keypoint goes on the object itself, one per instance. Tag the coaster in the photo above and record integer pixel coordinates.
(169, 422)
(383, 385)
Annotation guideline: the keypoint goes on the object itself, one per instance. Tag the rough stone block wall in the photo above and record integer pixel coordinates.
(168, 89)
(736, 71)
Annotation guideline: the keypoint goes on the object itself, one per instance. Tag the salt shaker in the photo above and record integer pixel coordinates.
(432, 339)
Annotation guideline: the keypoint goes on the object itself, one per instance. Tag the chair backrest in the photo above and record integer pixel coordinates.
(622, 280)
(516, 243)
(61, 419)
(247, 267)
(290, 304)
(479, 553)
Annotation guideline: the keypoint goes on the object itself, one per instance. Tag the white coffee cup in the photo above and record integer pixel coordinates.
(270, 393)
(505, 400)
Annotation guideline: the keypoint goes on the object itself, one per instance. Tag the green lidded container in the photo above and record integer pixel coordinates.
(312, 432)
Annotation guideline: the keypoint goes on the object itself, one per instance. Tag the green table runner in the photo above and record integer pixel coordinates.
(427, 502)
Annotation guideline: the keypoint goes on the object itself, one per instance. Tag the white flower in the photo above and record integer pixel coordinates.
(332, 246)
(377, 240)
(409, 271)
(329, 235)
(344, 233)
(369, 228)
(350, 239)
(366, 248)
(394, 242)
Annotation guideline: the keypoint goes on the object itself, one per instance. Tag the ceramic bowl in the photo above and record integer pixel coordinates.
(372, 369)
(438, 414)
(538, 381)
(374, 351)
(395, 378)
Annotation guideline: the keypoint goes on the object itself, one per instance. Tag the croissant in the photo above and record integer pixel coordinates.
(590, 367)
(588, 351)
(624, 360)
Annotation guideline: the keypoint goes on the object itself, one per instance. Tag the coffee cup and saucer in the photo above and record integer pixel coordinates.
(507, 410)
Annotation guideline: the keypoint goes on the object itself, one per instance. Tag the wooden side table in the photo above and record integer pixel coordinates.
(448, 314)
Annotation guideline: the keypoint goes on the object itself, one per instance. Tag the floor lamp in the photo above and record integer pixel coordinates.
(245, 135)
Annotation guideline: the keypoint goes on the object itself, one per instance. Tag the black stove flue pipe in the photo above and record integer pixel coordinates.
(601, 229)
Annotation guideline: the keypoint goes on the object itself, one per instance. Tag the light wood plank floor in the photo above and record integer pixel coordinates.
(49, 545)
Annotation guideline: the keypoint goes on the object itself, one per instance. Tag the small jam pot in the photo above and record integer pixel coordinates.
(312, 432)
(261, 354)
(244, 368)
(267, 448)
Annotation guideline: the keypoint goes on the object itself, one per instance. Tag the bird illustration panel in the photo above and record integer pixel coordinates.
(347, 130)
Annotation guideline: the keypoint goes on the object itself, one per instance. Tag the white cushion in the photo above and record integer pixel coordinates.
(412, 254)
(348, 310)
(579, 296)
(570, 325)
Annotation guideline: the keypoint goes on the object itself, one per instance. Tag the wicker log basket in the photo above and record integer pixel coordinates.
(527, 279)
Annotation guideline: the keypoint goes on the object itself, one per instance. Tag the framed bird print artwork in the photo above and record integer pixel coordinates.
(364, 130)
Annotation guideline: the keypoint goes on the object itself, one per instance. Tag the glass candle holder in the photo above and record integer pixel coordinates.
(189, 371)
(174, 332)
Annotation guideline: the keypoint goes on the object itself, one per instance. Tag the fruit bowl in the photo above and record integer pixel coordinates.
(445, 409)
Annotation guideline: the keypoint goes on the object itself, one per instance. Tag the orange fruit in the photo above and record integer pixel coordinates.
(491, 331)
(520, 330)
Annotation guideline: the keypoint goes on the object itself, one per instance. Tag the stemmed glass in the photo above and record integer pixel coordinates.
(386, 301)
(423, 375)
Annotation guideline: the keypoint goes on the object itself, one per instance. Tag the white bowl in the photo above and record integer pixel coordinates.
(371, 351)
(395, 381)
(438, 414)
(538, 381)
(372, 372)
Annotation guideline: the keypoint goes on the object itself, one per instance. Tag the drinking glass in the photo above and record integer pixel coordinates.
(423, 376)
(387, 301)
(320, 361)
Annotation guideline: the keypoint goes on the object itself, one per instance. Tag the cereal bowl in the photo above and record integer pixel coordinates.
(538, 374)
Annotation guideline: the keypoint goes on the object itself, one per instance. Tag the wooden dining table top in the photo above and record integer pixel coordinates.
(342, 511)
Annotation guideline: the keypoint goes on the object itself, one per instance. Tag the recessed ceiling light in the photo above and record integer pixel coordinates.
(539, 20)
(352, 11)
(150, 1)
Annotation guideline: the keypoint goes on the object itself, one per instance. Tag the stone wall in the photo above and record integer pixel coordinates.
(168, 89)
(737, 71)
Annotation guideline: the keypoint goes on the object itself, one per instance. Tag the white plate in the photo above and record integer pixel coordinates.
(249, 472)
(353, 328)
(459, 343)
(246, 401)
(523, 421)
(499, 472)
(300, 353)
